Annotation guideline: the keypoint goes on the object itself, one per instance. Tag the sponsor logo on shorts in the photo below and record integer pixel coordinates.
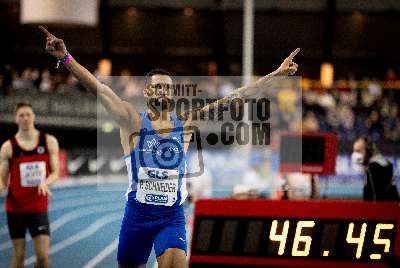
(43, 227)
(155, 198)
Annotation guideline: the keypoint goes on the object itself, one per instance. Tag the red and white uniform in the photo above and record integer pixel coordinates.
(27, 170)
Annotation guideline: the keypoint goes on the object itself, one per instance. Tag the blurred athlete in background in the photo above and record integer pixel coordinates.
(154, 209)
(28, 165)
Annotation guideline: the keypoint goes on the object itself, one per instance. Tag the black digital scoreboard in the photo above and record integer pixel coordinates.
(260, 233)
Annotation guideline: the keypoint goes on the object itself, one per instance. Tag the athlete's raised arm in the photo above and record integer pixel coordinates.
(5, 154)
(288, 67)
(120, 110)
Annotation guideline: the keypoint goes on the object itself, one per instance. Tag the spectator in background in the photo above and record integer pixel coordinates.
(287, 99)
(326, 100)
(128, 85)
(133, 88)
(374, 88)
(35, 77)
(379, 171)
(122, 80)
(349, 125)
(25, 82)
(367, 99)
(374, 126)
(332, 120)
(396, 132)
(348, 98)
(310, 122)
(391, 122)
(70, 85)
(46, 84)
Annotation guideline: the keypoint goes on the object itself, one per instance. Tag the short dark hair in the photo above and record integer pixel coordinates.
(156, 71)
(22, 104)
(370, 145)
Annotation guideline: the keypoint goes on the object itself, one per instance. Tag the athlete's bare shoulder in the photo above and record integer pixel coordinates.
(6, 150)
(50, 138)
(52, 143)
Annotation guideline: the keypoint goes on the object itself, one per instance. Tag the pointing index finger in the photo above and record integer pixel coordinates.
(294, 53)
(44, 30)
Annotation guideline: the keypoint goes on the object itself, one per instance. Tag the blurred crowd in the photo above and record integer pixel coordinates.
(345, 109)
(32, 80)
(354, 112)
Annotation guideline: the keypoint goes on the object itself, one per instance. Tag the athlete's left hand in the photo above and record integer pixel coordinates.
(288, 66)
(43, 189)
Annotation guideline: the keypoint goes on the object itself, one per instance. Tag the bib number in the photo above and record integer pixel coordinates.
(157, 186)
(32, 173)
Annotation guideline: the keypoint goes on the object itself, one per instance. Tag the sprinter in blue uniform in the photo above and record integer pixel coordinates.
(154, 211)
(154, 143)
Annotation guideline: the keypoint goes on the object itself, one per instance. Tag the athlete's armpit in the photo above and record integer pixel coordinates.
(134, 119)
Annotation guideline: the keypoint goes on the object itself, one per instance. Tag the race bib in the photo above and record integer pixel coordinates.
(157, 186)
(32, 173)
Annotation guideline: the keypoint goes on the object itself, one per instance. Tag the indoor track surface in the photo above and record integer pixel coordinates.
(85, 222)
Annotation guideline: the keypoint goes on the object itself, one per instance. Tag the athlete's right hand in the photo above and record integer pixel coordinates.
(54, 45)
(43, 189)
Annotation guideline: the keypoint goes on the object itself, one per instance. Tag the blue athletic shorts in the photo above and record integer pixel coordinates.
(141, 228)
